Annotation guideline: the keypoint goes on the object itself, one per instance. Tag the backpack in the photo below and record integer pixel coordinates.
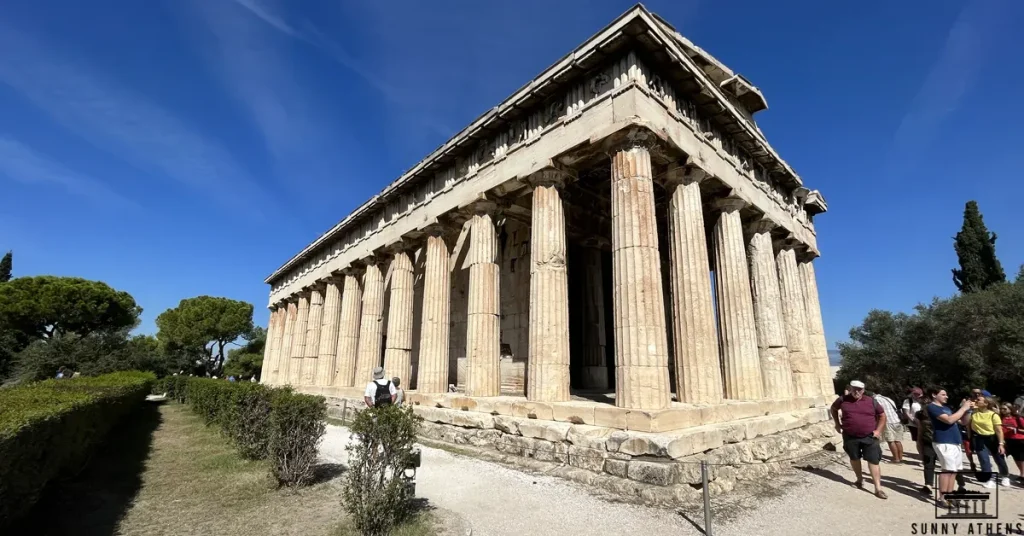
(383, 395)
(904, 420)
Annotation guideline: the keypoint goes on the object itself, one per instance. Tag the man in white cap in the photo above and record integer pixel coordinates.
(379, 392)
(861, 420)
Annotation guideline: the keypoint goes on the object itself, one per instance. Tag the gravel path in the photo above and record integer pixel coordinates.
(495, 500)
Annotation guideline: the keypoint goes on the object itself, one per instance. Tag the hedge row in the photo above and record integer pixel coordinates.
(50, 427)
(262, 422)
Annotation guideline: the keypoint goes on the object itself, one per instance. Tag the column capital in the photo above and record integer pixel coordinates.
(336, 278)
(402, 245)
(634, 137)
(557, 177)
(759, 225)
(807, 254)
(678, 173)
(786, 242)
(319, 285)
(728, 204)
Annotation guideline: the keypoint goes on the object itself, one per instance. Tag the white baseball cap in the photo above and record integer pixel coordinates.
(857, 384)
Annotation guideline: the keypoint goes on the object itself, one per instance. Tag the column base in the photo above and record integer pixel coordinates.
(595, 377)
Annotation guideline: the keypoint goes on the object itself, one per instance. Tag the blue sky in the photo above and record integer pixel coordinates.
(186, 147)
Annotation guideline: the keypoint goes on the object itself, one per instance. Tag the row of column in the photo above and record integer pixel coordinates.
(769, 344)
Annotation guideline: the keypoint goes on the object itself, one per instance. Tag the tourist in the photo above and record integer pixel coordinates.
(60, 373)
(894, 431)
(986, 433)
(911, 407)
(946, 435)
(399, 392)
(861, 420)
(379, 392)
(1013, 434)
(926, 447)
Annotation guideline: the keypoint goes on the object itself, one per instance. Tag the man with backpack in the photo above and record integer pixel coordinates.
(861, 420)
(379, 392)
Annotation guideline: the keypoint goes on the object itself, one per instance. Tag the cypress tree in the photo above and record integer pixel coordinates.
(5, 268)
(976, 249)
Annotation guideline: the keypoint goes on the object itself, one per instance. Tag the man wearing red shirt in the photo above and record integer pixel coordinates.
(861, 420)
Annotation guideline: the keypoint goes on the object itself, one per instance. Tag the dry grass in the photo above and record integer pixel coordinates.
(190, 481)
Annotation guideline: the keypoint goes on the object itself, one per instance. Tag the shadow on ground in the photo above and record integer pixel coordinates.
(325, 472)
(93, 501)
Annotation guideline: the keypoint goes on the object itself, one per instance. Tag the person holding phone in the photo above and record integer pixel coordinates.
(947, 438)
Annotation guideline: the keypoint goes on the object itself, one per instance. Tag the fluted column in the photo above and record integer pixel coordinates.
(548, 365)
(740, 363)
(805, 377)
(284, 354)
(273, 325)
(348, 330)
(370, 328)
(398, 353)
(312, 353)
(483, 327)
(328, 346)
(815, 326)
(698, 370)
(434, 330)
(299, 340)
(776, 375)
(641, 343)
(595, 359)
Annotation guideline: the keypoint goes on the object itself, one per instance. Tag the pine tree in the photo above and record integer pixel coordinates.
(976, 249)
(5, 268)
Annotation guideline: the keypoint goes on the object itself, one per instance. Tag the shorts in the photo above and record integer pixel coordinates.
(1015, 448)
(894, 433)
(867, 448)
(949, 456)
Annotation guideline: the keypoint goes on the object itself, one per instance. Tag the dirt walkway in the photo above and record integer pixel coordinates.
(495, 500)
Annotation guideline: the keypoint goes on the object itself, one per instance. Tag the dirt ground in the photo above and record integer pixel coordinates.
(494, 500)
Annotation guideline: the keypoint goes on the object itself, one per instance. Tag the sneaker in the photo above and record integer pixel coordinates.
(990, 483)
(1005, 482)
(925, 490)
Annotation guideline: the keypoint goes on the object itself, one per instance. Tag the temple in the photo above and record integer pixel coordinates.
(614, 246)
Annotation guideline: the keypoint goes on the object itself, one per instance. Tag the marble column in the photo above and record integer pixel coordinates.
(328, 346)
(815, 326)
(398, 352)
(741, 366)
(698, 370)
(805, 376)
(434, 329)
(273, 326)
(313, 325)
(370, 326)
(548, 365)
(641, 342)
(348, 330)
(284, 354)
(776, 375)
(483, 327)
(595, 360)
(299, 340)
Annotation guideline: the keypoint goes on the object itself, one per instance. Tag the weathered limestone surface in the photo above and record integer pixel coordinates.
(284, 352)
(741, 365)
(326, 368)
(595, 360)
(419, 257)
(313, 326)
(815, 326)
(776, 375)
(299, 341)
(483, 333)
(370, 328)
(348, 331)
(398, 351)
(273, 327)
(433, 358)
(698, 372)
(805, 376)
(548, 367)
(641, 343)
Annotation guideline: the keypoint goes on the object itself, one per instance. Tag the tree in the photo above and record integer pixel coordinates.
(247, 361)
(200, 328)
(976, 250)
(48, 306)
(6, 267)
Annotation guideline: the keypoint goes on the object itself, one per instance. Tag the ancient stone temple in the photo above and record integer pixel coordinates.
(612, 261)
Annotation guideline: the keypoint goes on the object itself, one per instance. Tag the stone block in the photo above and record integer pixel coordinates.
(610, 416)
(654, 473)
(460, 402)
(732, 432)
(573, 413)
(485, 438)
(509, 425)
(714, 413)
(640, 444)
(639, 420)
(471, 419)
(540, 411)
(546, 430)
(732, 454)
(589, 459)
(694, 442)
(687, 472)
(433, 414)
(763, 426)
(742, 410)
(494, 405)
(586, 436)
(675, 419)
(617, 468)
(547, 451)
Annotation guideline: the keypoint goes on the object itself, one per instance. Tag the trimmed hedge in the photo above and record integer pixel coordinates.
(50, 427)
(262, 422)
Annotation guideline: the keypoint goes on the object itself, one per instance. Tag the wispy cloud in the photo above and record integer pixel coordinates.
(122, 122)
(950, 78)
(21, 163)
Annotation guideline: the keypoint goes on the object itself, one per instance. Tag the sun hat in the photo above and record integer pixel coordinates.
(857, 384)
(916, 392)
(378, 373)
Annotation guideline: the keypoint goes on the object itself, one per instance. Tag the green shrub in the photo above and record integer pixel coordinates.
(48, 428)
(377, 493)
(297, 423)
